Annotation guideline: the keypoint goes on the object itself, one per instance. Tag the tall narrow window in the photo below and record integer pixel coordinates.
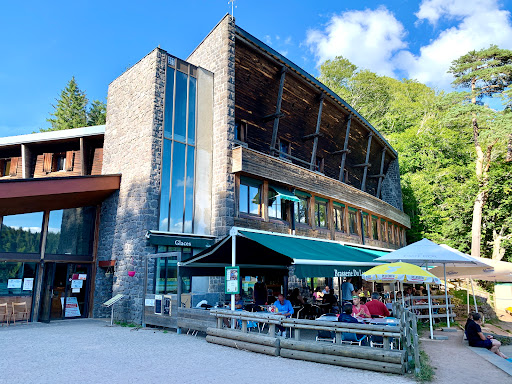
(320, 213)
(383, 235)
(5, 169)
(390, 233)
(375, 228)
(240, 131)
(178, 150)
(366, 224)
(284, 149)
(250, 197)
(339, 217)
(59, 162)
(352, 221)
(320, 164)
(301, 210)
(276, 206)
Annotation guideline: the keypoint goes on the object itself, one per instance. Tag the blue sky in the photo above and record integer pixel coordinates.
(44, 44)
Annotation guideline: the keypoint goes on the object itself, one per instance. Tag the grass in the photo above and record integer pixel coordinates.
(125, 324)
(426, 373)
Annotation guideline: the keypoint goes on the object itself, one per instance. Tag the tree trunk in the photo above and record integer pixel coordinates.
(476, 227)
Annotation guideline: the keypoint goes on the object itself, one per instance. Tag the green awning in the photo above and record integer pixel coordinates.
(285, 194)
(372, 252)
(302, 193)
(317, 258)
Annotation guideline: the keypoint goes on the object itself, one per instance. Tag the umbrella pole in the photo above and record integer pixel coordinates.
(430, 312)
(394, 291)
(473, 291)
(467, 291)
(446, 296)
(402, 290)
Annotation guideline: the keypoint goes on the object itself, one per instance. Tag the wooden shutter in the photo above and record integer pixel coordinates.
(47, 162)
(14, 166)
(69, 160)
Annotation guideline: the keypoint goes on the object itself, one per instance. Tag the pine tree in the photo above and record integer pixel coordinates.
(97, 113)
(71, 109)
(486, 72)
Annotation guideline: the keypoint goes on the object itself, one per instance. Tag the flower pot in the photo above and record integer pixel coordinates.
(131, 273)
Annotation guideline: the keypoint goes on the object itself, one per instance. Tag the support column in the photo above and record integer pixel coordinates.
(381, 172)
(345, 150)
(317, 132)
(278, 114)
(366, 163)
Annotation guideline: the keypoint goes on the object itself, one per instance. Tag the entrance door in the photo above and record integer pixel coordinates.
(65, 285)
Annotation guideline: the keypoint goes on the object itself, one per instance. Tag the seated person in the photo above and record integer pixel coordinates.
(358, 309)
(239, 302)
(376, 307)
(284, 308)
(296, 298)
(331, 301)
(477, 339)
(317, 295)
(346, 317)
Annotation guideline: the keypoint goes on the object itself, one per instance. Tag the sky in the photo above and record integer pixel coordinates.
(44, 44)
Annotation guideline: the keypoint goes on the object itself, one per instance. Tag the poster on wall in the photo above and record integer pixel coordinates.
(232, 278)
(14, 283)
(77, 283)
(72, 308)
(82, 276)
(28, 283)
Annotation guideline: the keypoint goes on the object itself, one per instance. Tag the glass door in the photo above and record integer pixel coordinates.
(76, 294)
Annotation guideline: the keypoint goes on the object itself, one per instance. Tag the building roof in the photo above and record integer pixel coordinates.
(65, 134)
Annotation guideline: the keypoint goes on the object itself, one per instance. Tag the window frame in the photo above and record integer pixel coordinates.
(353, 213)
(366, 225)
(296, 211)
(342, 218)
(248, 201)
(240, 131)
(319, 203)
(284, 155)
(375, 228)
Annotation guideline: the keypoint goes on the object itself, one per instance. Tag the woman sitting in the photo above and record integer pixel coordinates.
(358, 309)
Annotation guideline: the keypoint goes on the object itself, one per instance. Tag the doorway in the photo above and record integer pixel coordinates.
(65, 291)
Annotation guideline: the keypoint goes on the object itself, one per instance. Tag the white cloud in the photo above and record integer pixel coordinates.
(376, 40)
(368, 38)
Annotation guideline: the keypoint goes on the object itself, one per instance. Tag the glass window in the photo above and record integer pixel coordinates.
(339, 218)
(16, 271)
(21, 233)
(352, 222)
(169, 102)
(192, 111)
(301, 210)
(320, 164)
(178, 188)
(375, 228)
(189, 191)
(6, 167)
(59, 162)
(240, 131)
(321, 214)
(390, 233)
(243, 203)
(180, 113)
(71, 231)
(165, 188)
(250, 201)
(166, 277)
(276, 206)
(284, 149)
(366, 225)
(383, 230)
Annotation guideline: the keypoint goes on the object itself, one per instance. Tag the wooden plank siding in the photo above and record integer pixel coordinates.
(266, 167)
(257, 79)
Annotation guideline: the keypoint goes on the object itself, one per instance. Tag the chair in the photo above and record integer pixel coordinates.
(327, 335)
(4, 312)
(19, 309)
(378, 341)
(352, 339)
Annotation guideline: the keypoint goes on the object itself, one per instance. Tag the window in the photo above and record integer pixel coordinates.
(276, 206)
(21, 233)
(5, 167)
(383, 231)
(240, 131)
(390, 233)
(321, 214)
(352, 221)
(71, 231)
(375, 228)
(16, 271)
(301, 210)
(284, 149)
(166, 280)
(319, 164)
(339, 218)
(250, 201)
(366, 225)
(59, 162)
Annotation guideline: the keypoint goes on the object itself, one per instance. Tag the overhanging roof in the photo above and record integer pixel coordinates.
(33, 195)
(64, 134)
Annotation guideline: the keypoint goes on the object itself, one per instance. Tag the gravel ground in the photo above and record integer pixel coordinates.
(87, 351)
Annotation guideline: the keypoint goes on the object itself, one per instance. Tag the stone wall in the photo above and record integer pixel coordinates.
(133, 141)
(216, 53)
(391, 189)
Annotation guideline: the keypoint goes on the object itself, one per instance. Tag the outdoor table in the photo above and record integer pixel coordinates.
(382, 321)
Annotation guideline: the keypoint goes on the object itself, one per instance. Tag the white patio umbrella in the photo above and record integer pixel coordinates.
(428, 253)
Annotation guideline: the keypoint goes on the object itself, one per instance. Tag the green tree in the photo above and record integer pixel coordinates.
(486, 73)
(97, 113)
(71, 109)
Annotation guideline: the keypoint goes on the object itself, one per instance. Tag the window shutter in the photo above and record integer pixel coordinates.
(14, 166)
(69, 160)
(47, 162)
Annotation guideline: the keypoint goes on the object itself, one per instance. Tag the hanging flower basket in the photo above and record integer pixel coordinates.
(131, 273)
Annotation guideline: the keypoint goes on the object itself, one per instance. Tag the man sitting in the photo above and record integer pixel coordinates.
(376, 307)
(284, 308)
(477, 339)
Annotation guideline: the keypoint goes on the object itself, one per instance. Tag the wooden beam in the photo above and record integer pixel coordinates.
(347, 151)
(381, 173)
(345, 148)
(278, 110)
(362, 165)
(367, 164)
(317, 131)
(376, 176)
(273, 116)
(312, 136)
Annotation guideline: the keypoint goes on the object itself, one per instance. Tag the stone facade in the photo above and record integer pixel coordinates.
(391, 189)
(216, 53)
(133, 142)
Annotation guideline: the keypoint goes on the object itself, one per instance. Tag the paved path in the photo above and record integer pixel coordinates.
(456, 363)
(87, 351)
